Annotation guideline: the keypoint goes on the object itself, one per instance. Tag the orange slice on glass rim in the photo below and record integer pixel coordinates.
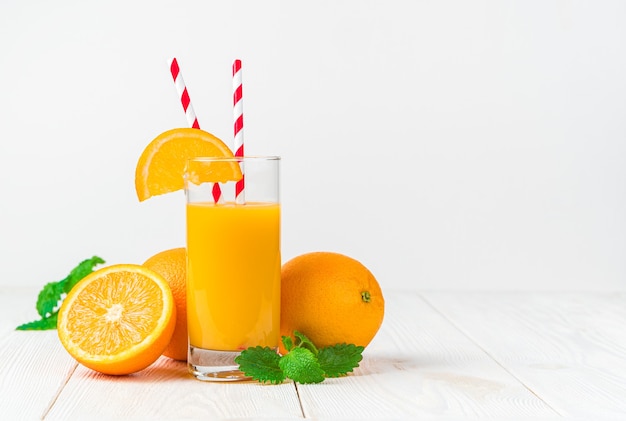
(118, 319)
(161, 166)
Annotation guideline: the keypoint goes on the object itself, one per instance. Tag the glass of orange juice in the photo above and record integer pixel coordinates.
(233, 262)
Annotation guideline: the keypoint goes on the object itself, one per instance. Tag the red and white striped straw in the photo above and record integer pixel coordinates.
(179, 82)
(240, 197)
(184, 95)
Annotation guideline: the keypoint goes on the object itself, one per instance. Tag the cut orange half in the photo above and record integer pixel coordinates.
(118, 320)
(161, 166)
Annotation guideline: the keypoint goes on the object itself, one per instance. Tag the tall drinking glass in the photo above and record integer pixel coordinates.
(233, 263)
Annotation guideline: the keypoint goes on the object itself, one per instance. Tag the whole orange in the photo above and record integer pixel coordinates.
(172, 265)
(331, 298)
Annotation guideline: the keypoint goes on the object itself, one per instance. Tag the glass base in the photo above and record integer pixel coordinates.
(215, 366)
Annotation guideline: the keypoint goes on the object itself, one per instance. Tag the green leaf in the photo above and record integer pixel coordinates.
(304, 362)
(46, 323)
(287, 343)
(262, 364)
(83, 269)
(48, 298)
(51, 295)
(301, 366)
(303, 342)
(340, 359)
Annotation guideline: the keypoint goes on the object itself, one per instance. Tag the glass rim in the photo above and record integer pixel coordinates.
(235, 158)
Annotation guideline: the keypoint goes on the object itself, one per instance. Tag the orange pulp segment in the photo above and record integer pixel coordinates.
(161, 166)
(118, 320)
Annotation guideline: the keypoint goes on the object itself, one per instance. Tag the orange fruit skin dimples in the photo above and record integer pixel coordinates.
(172, 265)
(331, 298)
(118, 319)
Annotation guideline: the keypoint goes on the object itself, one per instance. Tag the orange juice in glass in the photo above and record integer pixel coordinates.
(233, 263)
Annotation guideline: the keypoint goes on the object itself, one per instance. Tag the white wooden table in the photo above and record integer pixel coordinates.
(438, 356)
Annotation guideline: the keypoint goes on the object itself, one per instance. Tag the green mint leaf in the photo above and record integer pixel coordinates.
(304, 362)
(303, 342)
(301, 366)
(338, 360)
(46, 323)
(287, 343)
(83, 269)
(262, 364)
(48, 298)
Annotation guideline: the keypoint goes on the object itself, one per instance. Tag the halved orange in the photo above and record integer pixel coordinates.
(118, 319)
(161, 166)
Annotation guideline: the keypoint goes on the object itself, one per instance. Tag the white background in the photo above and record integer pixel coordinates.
(445, 144)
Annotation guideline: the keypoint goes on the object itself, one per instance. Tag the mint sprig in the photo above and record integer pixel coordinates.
(340, 359)
(263, 364)
(304, 362)
(51, 296)
(301, 366)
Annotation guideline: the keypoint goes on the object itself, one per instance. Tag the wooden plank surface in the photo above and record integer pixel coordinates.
(166, 391)
(569, 349)
(34, 368)
(33, 365)
(420, 367)
(438, 356)
(38, 379)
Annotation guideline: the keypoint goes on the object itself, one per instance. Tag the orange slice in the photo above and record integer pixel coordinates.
(161, 166)
(118, 320)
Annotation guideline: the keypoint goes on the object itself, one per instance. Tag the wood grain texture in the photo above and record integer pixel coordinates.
(438, 356)
(34, 367)
(419, 365)
(568, 348)
(166, 391)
